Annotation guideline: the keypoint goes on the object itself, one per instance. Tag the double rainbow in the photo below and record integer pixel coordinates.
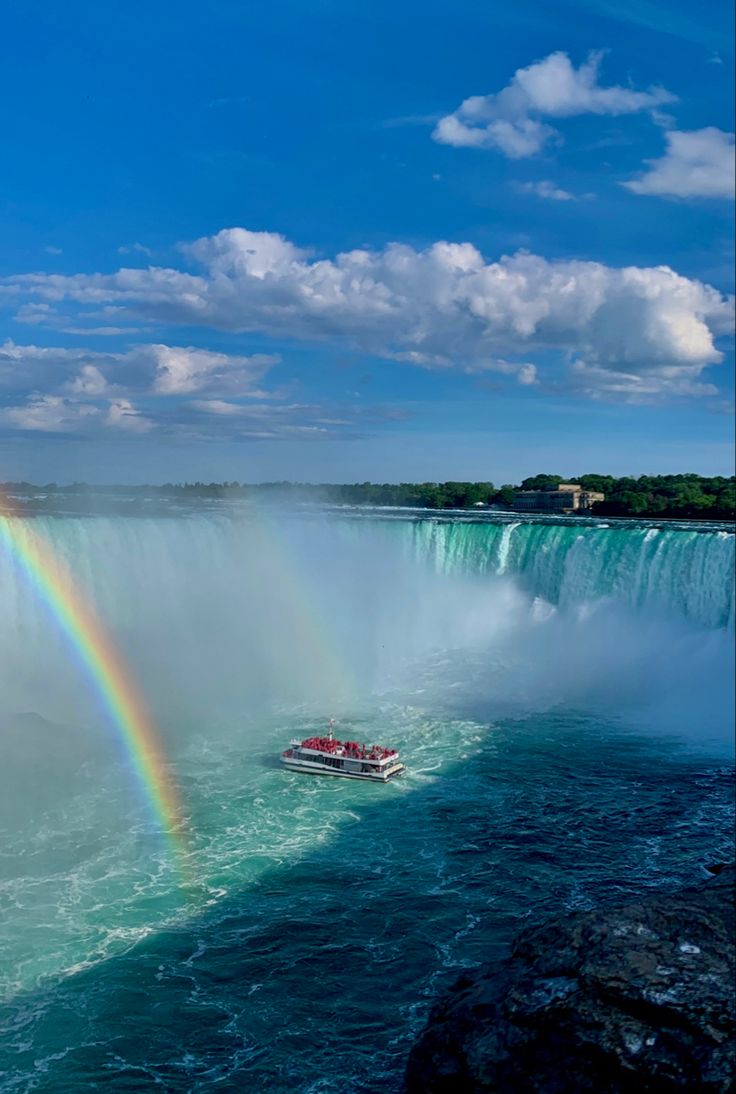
(104, 667)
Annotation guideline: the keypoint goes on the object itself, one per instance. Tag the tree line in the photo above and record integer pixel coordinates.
(674, 496)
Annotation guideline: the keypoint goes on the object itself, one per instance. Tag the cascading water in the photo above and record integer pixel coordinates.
(677, 570)
(560, 692)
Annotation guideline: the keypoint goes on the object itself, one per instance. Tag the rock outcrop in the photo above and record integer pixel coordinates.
(635, 997)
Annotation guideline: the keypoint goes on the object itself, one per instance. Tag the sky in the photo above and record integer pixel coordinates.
(331, 242)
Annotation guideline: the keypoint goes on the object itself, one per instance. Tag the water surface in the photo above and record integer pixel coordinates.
(560, 692)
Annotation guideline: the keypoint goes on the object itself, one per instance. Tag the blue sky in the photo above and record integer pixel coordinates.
(327, 242)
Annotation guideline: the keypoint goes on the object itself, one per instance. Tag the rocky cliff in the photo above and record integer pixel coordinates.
(635, 997)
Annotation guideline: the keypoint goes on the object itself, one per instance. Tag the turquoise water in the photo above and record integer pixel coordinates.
(559, 692)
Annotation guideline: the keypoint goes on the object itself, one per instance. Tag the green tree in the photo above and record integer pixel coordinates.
(539, 482)
(504, 496)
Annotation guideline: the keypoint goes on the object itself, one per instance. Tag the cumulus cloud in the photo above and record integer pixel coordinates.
(146, 388)
(50, 414)
(121, 414)
(64, 414)
(89, 381)
(181, 371)
(510, 120)
(64, 390)
(144, 369)
(699, 163)
(441, 307)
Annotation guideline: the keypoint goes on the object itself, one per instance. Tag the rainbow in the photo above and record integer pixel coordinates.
(109, 676)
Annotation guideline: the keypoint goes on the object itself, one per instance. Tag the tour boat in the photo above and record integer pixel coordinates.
(350, 759)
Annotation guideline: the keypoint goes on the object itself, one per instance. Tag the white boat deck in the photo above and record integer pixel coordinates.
(350, 759)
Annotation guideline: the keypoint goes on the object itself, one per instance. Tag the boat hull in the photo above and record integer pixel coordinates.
(308, 768)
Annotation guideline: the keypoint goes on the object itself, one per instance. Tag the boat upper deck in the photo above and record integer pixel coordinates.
(348, 750)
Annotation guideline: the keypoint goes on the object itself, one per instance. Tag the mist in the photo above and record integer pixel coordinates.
(227, 617)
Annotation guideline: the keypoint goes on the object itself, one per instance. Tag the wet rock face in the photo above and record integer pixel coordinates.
(638, 997)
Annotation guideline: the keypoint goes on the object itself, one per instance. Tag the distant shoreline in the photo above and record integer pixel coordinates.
(683, 497)
(24, 498)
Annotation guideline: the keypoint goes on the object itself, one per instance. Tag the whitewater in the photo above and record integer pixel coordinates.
(561, 691)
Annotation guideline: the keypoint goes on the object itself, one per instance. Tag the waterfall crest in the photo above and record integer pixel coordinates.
(684, 571)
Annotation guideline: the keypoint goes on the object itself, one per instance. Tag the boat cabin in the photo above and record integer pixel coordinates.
(351, 759)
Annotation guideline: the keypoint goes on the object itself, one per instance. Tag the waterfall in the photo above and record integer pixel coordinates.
(234, 610)
(679, 570)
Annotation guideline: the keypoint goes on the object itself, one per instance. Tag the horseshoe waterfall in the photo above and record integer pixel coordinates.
(560, 693)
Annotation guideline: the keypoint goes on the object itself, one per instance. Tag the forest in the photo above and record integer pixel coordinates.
(683, 497)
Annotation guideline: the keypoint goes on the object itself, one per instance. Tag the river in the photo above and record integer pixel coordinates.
(561, 691)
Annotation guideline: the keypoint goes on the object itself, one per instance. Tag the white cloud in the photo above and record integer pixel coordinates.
(37, 368)
(509, 120)
(135, 248)
(527, 375)
(280, 421)
(48, 316)
(546, 190)
(35, 314)
(441, 307)
(122, 414)
(103, 332)
(50, 250)
(58, 390)
(82, 391)
(217, 406)
(155, 370)
(598, 383)
(181, 371)
(88, 381)
(50, 414)
(61, 414)
(470, 127)
(699, 163)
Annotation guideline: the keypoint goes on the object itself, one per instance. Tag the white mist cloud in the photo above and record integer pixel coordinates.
(699, 163)
(510, 120)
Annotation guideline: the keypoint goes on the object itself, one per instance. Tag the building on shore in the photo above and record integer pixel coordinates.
(568, 497)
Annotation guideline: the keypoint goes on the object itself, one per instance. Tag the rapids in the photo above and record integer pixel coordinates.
(561, 692)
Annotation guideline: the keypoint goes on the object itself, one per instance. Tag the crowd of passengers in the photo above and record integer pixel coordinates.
(351, 750)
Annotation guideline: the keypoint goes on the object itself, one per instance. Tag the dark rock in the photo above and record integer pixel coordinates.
(635, 997)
